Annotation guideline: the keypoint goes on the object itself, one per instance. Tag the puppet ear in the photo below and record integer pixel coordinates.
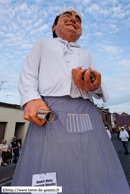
(53, 28)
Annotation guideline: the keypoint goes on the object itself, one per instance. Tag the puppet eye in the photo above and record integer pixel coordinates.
(78, 20)
(68, 15)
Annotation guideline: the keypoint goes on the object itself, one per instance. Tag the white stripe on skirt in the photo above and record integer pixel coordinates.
(78, 123)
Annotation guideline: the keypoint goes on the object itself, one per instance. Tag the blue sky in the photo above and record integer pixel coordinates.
(106, 34)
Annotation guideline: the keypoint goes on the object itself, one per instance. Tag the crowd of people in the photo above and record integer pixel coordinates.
(9, 152)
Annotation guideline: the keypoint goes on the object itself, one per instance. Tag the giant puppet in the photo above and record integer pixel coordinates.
(74, 150)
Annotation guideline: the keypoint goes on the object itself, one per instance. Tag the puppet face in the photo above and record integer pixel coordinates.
(68, 27)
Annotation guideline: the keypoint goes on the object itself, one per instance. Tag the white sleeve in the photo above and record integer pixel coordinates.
(101, 92)
(10, 145)
(29, 75)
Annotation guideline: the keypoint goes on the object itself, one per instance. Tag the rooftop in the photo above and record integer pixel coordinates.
(6, 105)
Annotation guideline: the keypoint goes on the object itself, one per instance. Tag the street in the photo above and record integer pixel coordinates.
(124, 159)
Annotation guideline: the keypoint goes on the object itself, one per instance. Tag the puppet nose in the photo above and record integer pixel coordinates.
(73, 19)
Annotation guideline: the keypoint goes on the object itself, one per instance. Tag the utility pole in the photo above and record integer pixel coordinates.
(6, 98)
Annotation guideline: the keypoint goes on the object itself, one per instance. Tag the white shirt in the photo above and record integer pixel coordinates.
(109, 134)
(124, 135)
(48, 65)
(3, 147)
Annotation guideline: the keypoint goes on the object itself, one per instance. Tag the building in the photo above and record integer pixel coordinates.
(123, 120)
(12, 122)
(124, 114)
(106, 117)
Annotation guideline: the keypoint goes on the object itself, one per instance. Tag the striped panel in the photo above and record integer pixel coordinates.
(78, 123)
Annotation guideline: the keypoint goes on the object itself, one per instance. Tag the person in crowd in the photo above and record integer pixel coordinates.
(15, 146)
(124, 136)
(73, 150)
(108, 132)
(6, 155)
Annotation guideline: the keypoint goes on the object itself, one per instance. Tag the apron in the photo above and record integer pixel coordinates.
(75, 146)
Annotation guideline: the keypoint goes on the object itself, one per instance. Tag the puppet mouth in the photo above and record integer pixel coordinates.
(72, 26)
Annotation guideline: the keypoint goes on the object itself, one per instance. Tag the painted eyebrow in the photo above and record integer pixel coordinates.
(70, 13)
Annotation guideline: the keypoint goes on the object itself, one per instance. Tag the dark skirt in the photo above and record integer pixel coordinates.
(76, 146)
(6, 156)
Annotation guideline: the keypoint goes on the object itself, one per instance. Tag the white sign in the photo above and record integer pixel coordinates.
(44, 180)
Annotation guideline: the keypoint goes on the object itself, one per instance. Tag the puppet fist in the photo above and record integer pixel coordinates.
(86, 84)
(31, 109)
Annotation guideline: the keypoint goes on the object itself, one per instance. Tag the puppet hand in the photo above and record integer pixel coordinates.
(31, 109)
(86, 83)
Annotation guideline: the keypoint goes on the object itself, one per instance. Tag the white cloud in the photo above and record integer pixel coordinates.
(17, 52)
(2, 34)
(4, 28)
(113, 1)
(117, 84)
(23, 7)
(86, 1)
(14, 25)
(3, 12)
(128, 13)
(75, 2)
(104, 12)
(113, 49)
(108, 2)
(10, 35)
(5, 1)
(117, 10)
(127, 7)
(124, 65)
(41, 29)
(45, 14)
(19, 8)
(93, 8)
(126, 22)
(18, 38)
(38, 1)
(122, 107)
(29, 21)
(37, 23)
(11, 56)
(26, 46)
(98, 33)
(28, 28)
(113, 26)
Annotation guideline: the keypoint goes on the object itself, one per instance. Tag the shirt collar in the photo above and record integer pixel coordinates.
(67, 45)
(72, 44)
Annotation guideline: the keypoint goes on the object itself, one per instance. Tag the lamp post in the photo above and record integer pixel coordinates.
(6, 98)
